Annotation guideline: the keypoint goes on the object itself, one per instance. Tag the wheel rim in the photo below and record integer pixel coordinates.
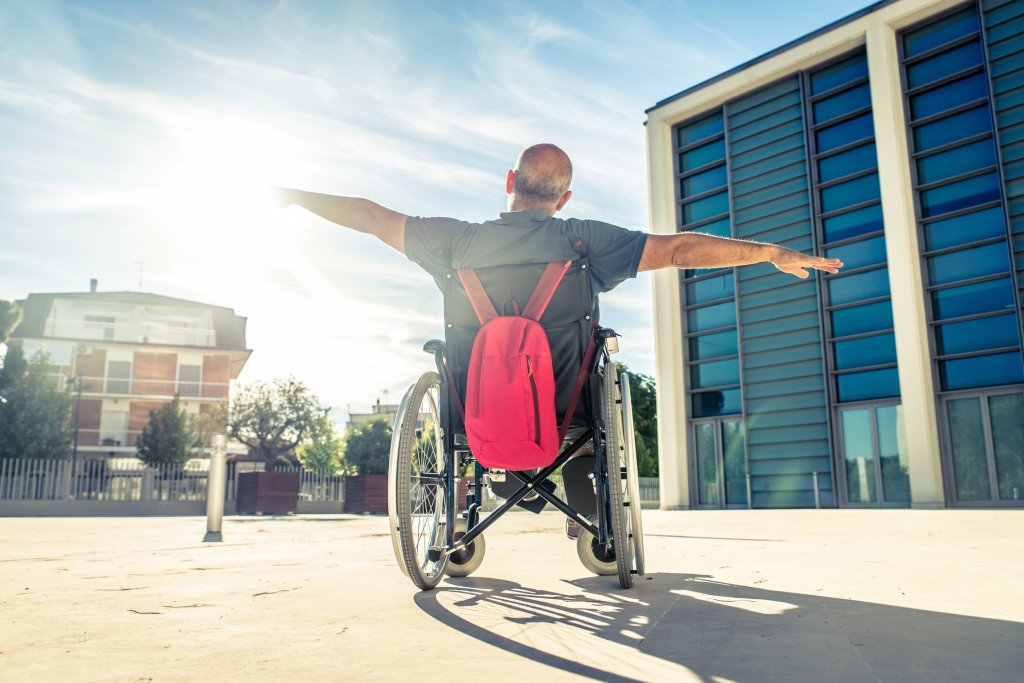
(419, 484)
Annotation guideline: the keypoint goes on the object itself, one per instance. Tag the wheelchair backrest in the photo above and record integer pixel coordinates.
(567, 320)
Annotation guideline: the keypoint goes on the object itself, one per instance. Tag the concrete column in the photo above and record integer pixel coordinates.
(668, 337)
(910, 320)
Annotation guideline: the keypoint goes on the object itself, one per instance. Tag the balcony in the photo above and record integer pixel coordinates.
(127, 387)
(157, 333)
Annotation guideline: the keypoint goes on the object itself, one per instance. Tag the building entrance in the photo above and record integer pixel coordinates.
(721, 463)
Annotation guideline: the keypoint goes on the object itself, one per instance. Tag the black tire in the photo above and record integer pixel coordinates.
(465, 562)
(619, 513)
(420, 503)
(594, 556)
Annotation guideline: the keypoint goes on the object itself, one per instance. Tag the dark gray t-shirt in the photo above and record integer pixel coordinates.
(441, 245)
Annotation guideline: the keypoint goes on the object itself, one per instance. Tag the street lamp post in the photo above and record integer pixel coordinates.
(74, 444)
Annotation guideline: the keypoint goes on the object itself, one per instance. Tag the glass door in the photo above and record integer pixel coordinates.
(721, 463)
(874, 455)
(986, 448)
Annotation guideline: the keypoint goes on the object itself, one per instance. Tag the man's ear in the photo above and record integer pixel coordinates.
(510, 181)
(564, 200)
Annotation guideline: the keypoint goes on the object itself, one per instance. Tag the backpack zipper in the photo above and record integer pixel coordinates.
(536, 401)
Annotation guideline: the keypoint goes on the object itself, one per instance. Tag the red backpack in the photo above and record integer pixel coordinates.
(510, 390)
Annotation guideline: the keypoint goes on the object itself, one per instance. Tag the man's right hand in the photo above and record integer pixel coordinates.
(283, 197)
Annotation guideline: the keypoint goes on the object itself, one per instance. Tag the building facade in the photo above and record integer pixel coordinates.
(126, 353)
(894, 140)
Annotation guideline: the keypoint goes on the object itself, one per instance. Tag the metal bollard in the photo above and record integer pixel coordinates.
(215, 482)
(817, 493)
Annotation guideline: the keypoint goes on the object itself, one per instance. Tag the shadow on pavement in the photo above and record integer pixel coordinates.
(718, 630)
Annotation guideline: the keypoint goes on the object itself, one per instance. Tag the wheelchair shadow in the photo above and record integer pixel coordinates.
(690, 627)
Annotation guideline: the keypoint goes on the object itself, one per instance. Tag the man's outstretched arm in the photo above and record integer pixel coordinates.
(695, 250)
(356, 213)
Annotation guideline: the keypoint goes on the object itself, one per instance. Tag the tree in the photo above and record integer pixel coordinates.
(212, 423)
(368, 445)
(643, 394)
(170, 437)
(10, 316)
(273, 417)
(322, 451)
(34, 416)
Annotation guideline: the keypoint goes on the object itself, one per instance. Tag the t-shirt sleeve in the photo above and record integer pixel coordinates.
(613, 253)
(428, 242)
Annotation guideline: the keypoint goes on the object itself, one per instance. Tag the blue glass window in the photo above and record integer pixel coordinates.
(711, 317)
(951, 128)
(713, 345)
(699, 130)
(963, 159)
(965, 228)
(960, 195)
(862, 386)
(839, 73)
(969, 263)
(843, 103)
(720, 228)
(714, 374)
(980, 297)
(707, 207)
(976, 335)
(857, 128)
(940, 32)
(948, 96)
(703, 182)
(851, 161)
(847, 225)
(711, 403)
(981, 371)
(859, 353)
(702, 156)
(717, 287)
(850, 288)
(944, 64)
(851, 192)
(865, 318)
(860, 254)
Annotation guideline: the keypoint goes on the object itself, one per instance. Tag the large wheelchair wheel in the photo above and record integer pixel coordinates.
(417, 501)
(623, 487)
(632, 474)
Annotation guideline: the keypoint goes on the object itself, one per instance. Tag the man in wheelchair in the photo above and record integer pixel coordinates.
(525, 263)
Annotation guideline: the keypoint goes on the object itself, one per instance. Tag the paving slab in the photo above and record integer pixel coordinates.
(789, 595)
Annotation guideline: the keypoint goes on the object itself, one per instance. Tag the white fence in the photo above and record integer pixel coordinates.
(127, 480)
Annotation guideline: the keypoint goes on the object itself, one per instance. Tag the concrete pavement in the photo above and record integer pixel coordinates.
(795, 595)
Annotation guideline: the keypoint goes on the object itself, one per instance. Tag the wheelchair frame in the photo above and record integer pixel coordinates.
(439, 545)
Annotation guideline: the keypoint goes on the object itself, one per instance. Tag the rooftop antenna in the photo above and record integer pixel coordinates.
(141, 265)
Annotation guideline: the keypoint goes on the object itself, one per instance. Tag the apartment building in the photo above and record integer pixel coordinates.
(894, 140)
(126, 353)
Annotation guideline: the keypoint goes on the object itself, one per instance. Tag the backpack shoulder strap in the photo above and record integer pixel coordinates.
(545, 289)
(482, 305)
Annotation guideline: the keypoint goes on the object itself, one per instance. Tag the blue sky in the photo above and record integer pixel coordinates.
(135, 136)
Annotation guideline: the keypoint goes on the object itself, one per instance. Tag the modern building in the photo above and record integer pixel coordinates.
(126, 353)
(894, 140)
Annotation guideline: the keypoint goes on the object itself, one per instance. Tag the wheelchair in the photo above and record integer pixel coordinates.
(436, 489)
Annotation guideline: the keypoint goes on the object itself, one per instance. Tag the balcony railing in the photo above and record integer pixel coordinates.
(134, 333)
(129, 386)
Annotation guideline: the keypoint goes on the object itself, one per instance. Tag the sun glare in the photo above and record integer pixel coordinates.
(218, 187)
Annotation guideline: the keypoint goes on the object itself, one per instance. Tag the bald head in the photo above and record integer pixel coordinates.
(540, 179)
